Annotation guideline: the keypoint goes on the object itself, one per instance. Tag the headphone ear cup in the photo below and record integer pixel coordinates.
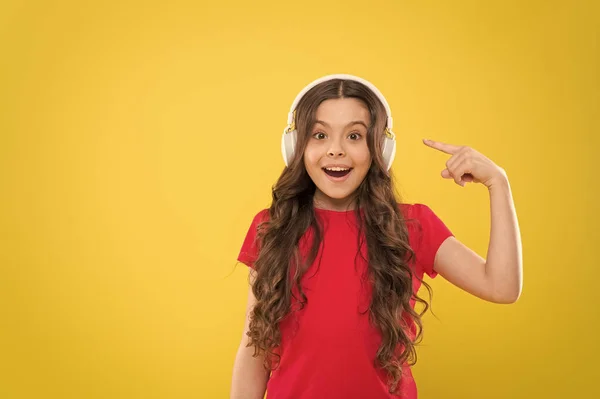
(288, 145)
(389, 151)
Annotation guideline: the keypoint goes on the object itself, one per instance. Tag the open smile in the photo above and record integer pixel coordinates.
(337, 174)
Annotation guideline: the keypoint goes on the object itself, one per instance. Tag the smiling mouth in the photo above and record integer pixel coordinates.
(337, 173)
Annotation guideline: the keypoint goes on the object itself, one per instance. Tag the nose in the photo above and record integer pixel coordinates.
(335, 150)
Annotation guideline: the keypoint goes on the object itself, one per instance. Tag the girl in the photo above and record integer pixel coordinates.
(336, 261)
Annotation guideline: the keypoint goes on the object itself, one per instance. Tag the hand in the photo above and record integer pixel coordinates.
(467, 165)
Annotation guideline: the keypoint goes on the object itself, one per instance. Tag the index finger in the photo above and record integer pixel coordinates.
(447, 148)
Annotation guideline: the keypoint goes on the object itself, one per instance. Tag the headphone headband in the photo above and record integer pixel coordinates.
(371, 86)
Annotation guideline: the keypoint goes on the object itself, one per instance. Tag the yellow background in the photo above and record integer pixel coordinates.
(137, 140)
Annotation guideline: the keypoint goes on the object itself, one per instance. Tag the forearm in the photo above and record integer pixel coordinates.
(504, 264)
(250, 378)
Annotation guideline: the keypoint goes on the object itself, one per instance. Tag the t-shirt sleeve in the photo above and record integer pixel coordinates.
(251, 247)
(432, 232)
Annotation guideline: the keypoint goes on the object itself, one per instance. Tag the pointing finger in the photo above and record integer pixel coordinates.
(443, 147)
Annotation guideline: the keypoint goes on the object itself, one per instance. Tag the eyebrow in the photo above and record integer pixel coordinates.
(349, 124)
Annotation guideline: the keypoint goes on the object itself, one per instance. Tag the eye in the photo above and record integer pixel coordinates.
(355, 136)
(319, 135)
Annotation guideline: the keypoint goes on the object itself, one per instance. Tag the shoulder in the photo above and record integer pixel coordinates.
(420, 218)
(426, 233)
(251, 246)
(415, 212)
(262, 215)
(259, 217)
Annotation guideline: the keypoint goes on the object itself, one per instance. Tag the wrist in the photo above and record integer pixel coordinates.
(499, 182)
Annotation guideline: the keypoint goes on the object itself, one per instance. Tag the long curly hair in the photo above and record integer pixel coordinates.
(381, 224)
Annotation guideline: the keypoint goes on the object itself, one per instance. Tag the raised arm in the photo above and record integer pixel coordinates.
(499, 277)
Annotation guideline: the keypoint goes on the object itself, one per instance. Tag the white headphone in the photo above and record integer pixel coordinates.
(290, 134)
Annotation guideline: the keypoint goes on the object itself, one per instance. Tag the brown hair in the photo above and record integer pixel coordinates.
(291, 214)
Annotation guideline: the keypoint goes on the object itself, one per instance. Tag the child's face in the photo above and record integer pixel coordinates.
(336, 141)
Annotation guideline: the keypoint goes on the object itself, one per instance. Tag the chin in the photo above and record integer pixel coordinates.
(337, 191)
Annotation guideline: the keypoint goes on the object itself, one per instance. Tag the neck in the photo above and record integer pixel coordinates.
(322, 201)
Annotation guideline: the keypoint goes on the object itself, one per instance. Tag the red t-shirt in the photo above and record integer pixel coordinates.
(328, 348)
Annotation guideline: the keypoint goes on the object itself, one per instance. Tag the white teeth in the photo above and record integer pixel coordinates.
(336, 169)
